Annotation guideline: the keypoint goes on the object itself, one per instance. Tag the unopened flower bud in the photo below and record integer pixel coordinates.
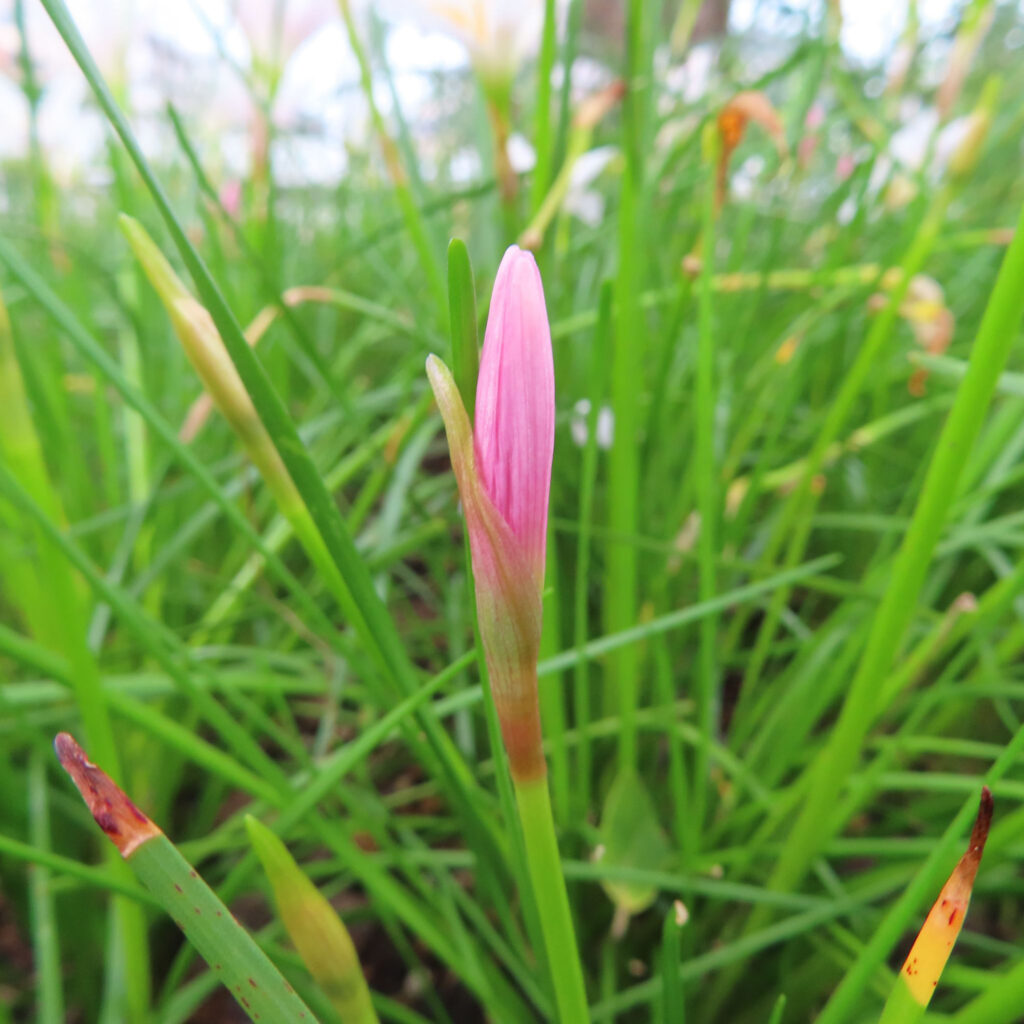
(502, 467)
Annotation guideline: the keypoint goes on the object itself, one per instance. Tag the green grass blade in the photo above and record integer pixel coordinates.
(705, 467)
(46, 947)
(597, 379)
(673, 1005)
(778, 1009)
(462, 318)
(543, 136)
(549, 892)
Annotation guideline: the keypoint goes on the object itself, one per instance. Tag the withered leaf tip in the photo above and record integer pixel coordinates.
(982, 823)
(125, 825)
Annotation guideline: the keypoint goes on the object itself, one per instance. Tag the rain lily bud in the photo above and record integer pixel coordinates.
(206, 352)
(503, 471)
(515, 404)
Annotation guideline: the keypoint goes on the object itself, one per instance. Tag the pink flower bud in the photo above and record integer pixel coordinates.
(515, 405)
(503, 471)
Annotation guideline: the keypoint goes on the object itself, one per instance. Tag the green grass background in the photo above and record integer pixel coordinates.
(769, 700)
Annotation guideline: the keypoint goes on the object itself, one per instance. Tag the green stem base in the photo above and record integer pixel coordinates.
(552, 900)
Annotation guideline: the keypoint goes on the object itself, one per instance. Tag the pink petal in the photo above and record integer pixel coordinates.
(515, 405)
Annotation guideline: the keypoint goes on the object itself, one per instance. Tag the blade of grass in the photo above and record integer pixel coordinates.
(705, 472)
(45, 944)
(673, 1006)
(622, 681)
(597, 382)
(543, 140)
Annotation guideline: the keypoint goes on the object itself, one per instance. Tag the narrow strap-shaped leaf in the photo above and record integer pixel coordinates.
(224, 944)
(673, 1006)
(462, 316)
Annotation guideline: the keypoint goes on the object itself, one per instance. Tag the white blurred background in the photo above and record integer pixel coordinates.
(220, 62)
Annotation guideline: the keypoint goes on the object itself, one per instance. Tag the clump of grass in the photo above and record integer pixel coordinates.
(783, 584)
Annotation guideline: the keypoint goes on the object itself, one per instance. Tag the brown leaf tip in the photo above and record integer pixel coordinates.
(125, 825)
(981, 824)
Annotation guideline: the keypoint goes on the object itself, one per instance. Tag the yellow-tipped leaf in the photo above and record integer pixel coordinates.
(927, 958)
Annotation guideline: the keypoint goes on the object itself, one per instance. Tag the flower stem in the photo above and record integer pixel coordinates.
(552, 900)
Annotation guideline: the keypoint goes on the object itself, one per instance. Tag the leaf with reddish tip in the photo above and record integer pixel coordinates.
(125, 825)
(927, 958)
(242, 967)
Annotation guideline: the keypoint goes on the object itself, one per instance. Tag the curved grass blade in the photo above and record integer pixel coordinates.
(242, 966)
